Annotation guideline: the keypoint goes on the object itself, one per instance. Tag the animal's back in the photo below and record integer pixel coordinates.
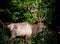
(23, 29)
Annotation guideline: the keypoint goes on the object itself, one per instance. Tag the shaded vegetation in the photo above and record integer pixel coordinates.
(16, 11)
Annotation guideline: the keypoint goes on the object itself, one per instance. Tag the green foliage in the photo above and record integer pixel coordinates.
(3, 38)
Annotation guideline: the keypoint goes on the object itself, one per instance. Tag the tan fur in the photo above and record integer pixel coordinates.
(21, 29)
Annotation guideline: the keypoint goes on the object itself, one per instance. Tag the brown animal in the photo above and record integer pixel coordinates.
(25, 29)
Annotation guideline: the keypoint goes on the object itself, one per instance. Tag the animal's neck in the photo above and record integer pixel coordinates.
(35, 29)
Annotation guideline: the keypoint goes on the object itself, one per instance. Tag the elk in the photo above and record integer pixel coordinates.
(25, 29)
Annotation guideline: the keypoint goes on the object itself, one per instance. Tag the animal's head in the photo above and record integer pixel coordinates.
(41, 27)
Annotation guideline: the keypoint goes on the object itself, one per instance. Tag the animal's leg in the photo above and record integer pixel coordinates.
(26, 40)
(13, 35)
(9, 41)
